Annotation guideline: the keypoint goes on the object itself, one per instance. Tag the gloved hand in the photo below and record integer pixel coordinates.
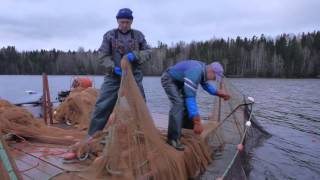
(77, 150)
(131, 57)
(223, 95)
(117, 71)
(197, 126)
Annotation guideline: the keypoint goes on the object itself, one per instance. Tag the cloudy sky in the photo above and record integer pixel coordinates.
(70, 24)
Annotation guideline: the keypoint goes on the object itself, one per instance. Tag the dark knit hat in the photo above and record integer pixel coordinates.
(124, 13)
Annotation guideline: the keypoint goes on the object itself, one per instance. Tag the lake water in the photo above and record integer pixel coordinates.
(287, 108)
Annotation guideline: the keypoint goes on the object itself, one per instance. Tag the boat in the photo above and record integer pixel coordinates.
(231, 133)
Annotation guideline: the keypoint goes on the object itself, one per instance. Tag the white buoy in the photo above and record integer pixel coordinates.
(251, 99)
(69, 123)
(240, 147)
(31, 92)
(248, 123)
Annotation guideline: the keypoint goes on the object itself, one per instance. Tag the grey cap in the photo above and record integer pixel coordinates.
(218, 70)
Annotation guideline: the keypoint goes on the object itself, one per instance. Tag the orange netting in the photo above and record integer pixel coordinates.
(133, 148)
(77, 107)
(18, 121)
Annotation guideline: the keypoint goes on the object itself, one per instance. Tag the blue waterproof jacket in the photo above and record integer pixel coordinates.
(191, 73)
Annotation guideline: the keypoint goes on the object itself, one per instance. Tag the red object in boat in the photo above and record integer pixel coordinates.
(70, 156)
(83, 82)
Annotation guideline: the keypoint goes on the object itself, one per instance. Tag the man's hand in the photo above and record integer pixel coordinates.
(223, 95)
(78, 149)
(131, 57)
(117, 71)
(197, 126)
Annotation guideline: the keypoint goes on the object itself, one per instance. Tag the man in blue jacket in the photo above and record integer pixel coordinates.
(180, 83)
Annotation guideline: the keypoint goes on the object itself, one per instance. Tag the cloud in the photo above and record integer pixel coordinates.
(36, 24)
(49, 26)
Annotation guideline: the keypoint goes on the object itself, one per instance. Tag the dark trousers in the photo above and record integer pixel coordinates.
(178, 116)
(107, 99)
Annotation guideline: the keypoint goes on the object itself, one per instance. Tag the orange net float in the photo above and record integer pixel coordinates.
(83, 82)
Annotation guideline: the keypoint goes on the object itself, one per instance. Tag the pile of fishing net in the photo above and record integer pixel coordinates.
(18, 121)
(131, 147)
(76, 109)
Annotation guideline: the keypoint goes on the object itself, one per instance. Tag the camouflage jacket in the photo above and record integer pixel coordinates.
(116, 44)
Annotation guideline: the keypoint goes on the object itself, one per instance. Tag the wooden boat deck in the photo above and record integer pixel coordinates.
(44, 161)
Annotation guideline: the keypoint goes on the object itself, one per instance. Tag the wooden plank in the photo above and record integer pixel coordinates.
(69, 175)
(25, 177)
(8, 157)
(43, 166)
(31, 172)
(34, 166)
(32, 161)
(55, 161)
(49, 104)
(52, 165)
(58, 162)
(44, 99)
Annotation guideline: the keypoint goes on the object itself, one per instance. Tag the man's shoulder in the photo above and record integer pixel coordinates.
(195, 68)
(193, 64)
(110, 33)
(137, 33)
(198, 62)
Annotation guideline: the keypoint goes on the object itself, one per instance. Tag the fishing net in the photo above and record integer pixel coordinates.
(76, 109)
(18, 121)
(133, 148)
(235, 136)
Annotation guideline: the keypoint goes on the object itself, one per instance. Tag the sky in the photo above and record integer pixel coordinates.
(70, 24)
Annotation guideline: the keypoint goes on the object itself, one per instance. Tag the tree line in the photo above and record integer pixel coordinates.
(286, 56)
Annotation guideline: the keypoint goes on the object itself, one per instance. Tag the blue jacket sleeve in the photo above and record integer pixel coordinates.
(192, 107)
(210, 89)
(191, 82)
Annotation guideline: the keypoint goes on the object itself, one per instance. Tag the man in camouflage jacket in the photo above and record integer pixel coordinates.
(116, 44)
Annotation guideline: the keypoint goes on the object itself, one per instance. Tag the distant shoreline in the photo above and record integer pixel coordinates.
(146, 75)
